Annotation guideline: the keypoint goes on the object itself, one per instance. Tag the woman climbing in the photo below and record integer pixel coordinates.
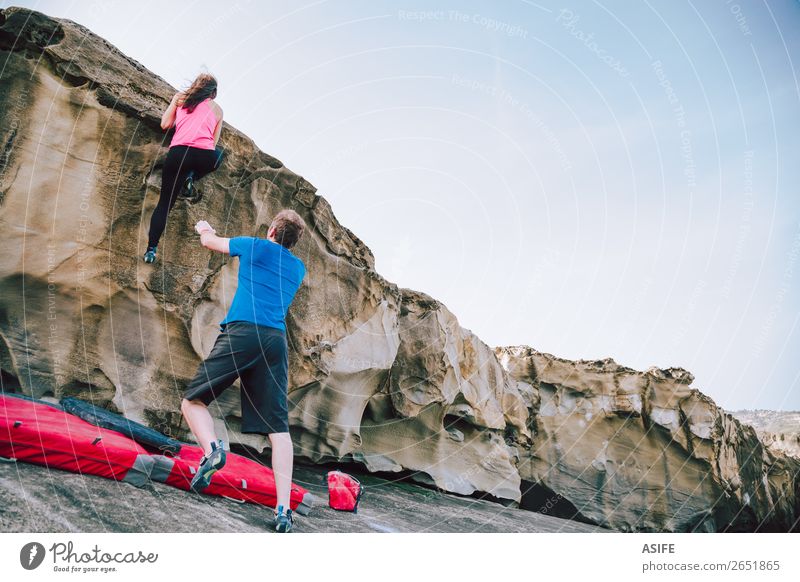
(193, 151)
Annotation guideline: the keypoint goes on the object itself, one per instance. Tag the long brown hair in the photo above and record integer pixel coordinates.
(203, 87)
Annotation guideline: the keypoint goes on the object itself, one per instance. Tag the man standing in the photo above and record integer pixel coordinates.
(252, 346)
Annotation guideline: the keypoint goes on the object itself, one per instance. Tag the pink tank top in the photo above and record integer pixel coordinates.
(195, 129)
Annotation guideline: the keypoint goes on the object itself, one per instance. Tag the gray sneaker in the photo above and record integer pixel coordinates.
(284, 520)
(208, 466)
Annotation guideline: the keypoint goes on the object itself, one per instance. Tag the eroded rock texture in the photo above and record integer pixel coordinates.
(375, 371)
(778, 429)
(379, 375)
(644, 451)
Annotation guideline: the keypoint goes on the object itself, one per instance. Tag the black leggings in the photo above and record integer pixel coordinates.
(181, 161)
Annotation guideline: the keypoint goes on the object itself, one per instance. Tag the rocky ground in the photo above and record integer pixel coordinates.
(35, 499)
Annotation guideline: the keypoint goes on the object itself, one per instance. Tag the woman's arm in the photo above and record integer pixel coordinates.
(210, 240)
(218, 129)
(168, 118)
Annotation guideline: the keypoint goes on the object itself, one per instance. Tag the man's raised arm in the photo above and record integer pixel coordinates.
(210, 240)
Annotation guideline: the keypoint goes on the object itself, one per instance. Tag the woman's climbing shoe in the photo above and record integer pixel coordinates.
(198, 196)
(188, 187)
(189, 191)
(150, 254)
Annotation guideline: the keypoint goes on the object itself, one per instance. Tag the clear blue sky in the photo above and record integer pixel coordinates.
(591, 179)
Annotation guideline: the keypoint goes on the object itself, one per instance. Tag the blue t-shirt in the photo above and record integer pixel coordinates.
(269, 276)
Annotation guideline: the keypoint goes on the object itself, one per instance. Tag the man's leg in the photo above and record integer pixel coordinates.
(282, 464)
(214, 375)
(200, 423)
(265, 406)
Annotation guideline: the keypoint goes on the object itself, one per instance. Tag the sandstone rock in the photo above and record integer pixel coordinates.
(643, 451)
(81, 314)
(777, 429)
(35, 499)
(446, 397)
(379, 375)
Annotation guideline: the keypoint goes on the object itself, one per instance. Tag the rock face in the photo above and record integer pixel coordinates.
(379, 375)
(644, 451)
(375, 371)
(778, 429)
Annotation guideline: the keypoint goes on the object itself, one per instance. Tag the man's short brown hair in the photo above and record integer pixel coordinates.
(289, 227)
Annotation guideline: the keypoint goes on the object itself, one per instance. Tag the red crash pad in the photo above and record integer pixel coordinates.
(38, 433)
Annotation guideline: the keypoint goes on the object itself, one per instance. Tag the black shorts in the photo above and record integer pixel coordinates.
(258, 355)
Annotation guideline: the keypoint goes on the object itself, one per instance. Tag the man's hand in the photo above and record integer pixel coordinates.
(203, 226)
(209, 238)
